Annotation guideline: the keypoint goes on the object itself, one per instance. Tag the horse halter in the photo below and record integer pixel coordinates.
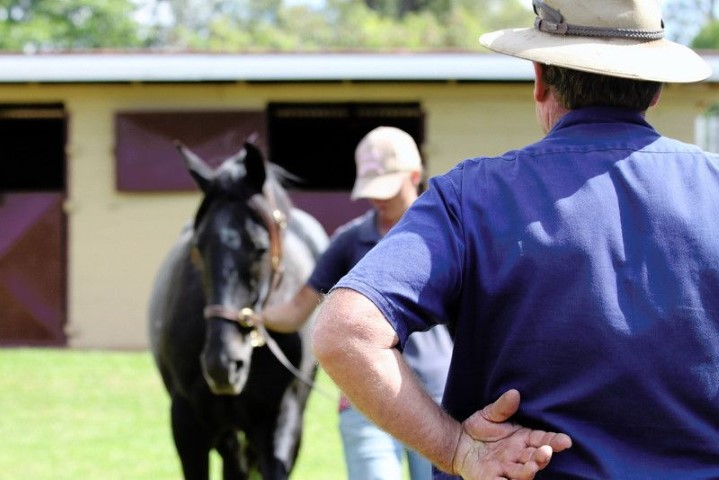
(275, 221)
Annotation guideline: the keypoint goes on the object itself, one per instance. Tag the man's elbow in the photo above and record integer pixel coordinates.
(348, 326)
(326, 334)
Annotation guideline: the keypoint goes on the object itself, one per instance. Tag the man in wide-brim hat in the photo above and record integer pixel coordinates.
(619, 38)
(581, 271)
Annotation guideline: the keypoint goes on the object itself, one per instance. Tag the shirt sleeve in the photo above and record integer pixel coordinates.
(332, 264)
(413, 275)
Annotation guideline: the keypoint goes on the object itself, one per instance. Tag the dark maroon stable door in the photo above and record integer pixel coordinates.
(32, 269)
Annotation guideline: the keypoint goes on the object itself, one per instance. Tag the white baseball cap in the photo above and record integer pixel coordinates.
(385, 157)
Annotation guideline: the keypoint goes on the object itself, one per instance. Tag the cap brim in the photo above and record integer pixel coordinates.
(657, 60)
(382, 187)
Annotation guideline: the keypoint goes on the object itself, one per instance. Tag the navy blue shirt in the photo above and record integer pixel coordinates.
(427, 353)
(582, 270)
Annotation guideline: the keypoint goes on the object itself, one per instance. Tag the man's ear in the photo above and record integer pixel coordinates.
(540, 89)
(655, 99)
(415, 177)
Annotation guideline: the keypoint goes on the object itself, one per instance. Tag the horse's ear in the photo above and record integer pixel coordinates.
(200, 171)
(255, 166)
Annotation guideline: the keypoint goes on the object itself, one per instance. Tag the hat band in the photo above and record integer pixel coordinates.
(553, 22)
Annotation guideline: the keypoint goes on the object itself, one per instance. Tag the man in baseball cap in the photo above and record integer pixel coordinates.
(581, 271)
(385, 158)
(389, 171)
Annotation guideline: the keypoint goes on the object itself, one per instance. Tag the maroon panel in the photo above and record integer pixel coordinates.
(146, 159)
(332, 209)
(32, 269)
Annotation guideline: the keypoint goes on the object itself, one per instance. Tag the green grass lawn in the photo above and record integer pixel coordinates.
(86, 415)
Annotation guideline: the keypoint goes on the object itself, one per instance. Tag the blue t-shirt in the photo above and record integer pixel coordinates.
(582, 270)
(427, 353)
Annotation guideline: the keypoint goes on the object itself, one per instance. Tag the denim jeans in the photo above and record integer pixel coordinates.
(372, 454)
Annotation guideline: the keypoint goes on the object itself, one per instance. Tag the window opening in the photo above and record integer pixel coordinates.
(316, 141)
(33, 147)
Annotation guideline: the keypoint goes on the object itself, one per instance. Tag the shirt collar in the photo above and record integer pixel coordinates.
(368, 231)
(600, 115)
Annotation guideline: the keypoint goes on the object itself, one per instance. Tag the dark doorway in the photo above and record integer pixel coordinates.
(316, 143)
(32, 225)
(33, 148)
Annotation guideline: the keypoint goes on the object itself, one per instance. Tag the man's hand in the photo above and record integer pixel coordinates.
(290, 316)
(491, 448)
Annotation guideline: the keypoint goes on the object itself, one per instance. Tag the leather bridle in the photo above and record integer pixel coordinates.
(275, 221)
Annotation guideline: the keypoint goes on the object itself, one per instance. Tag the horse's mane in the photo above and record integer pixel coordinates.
(277, 178)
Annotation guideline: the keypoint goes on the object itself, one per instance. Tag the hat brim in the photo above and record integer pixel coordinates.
(382, 187)
(656, 60)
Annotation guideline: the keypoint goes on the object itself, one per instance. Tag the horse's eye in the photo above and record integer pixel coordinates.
(260, 245)
(261, 250)
(196, 257)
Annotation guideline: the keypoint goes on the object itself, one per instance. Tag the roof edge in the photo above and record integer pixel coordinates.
(273, 67)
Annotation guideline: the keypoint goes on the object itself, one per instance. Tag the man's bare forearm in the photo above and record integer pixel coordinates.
(355, 346)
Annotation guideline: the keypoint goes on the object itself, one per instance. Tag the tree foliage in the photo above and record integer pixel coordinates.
(698, 20)
(686, 18)
(262, 25)
(291, 25)
(708, 36)
(51, 25)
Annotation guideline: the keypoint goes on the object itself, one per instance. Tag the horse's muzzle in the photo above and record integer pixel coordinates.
(224, 375)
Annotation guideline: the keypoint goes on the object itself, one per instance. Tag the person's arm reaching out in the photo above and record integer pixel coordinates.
(354, 344)
(289, 317)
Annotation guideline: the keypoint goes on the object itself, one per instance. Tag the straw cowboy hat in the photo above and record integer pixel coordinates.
(620, 38)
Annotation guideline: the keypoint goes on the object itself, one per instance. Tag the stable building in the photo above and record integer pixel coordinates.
(93, 192)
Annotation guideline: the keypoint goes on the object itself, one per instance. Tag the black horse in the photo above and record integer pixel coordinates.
(247, 246)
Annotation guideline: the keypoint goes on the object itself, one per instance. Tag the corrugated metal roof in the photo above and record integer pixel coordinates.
(189, 68)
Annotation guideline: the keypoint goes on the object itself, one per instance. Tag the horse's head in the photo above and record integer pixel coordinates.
(236, 248)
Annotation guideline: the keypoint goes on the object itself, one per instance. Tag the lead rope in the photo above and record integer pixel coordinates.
(276, 222)
(247, 318)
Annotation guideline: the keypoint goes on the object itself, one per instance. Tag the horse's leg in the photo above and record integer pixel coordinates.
(234, 461)
(261, 438)
(288, 431)
(278, 442)
(191, 440)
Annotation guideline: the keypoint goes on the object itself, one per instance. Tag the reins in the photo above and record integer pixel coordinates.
(276, 222)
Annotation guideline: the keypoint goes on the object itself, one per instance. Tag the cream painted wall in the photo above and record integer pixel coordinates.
(678, 108)
(117, 240)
